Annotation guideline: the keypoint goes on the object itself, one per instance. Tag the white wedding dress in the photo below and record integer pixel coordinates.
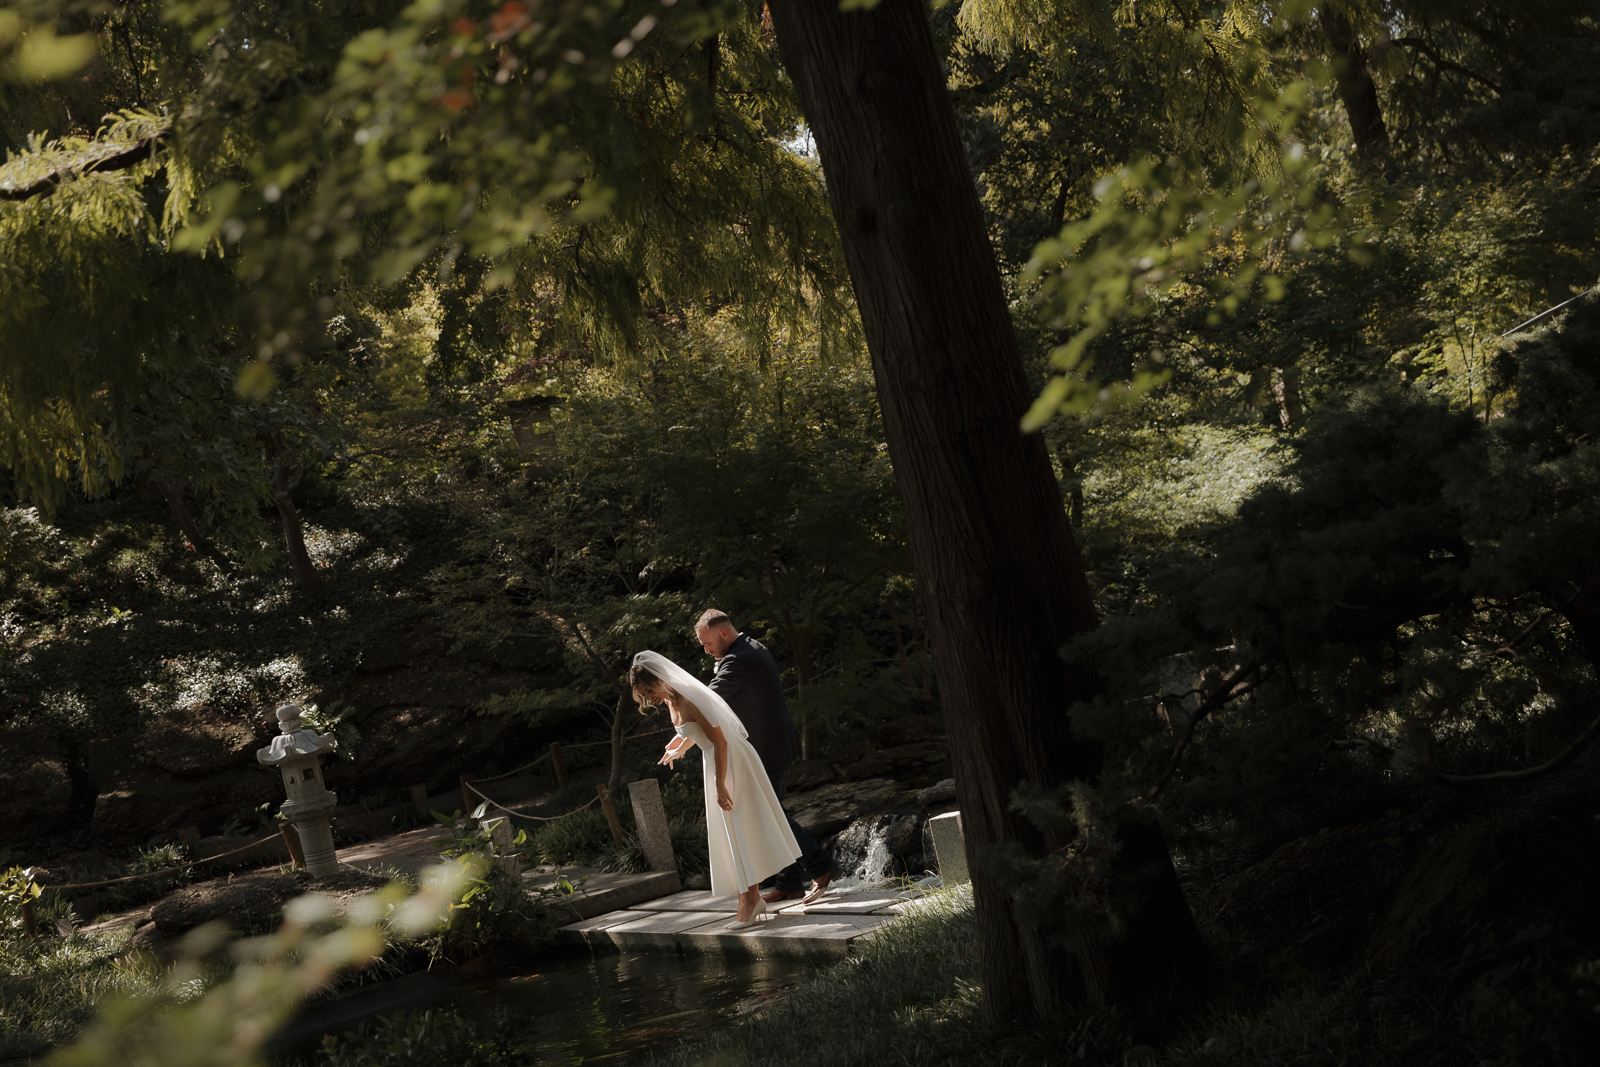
(753, 841)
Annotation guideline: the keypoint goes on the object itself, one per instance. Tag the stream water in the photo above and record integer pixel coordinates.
(619, 1009)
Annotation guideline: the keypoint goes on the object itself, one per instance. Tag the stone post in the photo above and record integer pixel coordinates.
(650, 820)
(950, 845)
(294, 752)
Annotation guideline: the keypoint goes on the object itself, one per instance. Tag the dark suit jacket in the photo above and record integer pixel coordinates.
(747, 678)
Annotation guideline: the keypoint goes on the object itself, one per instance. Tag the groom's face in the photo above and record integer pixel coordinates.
(715, 642)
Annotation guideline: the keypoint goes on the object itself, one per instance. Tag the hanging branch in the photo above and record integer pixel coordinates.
(1224, 693)
(120, 159)
(1377, 748)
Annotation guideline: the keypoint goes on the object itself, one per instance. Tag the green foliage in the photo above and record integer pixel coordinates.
(1397, 582)
(719, 478)
(488, 904)
(583, 838)
(50, 988)
(1159, 222)
(17, 888)
(334, 721)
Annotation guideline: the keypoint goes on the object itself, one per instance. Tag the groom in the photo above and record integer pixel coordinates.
(747, 678)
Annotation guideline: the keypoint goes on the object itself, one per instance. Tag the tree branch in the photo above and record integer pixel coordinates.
(1224, 693)
(1560, 758)
(1377, 748)
(1440, 61)
(121, 159)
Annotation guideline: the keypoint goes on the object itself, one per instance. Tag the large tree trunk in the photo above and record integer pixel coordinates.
(1356, 88)
(1003, 583)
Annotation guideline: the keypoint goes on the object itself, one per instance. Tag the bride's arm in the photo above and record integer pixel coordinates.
(719, 747)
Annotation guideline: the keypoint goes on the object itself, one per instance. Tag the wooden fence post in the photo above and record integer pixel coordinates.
(560, 766)
(291, 841)
(611, 812)
(467, 793)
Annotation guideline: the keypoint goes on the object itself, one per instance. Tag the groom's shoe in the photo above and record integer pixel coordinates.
(773, 896)
(820, 885)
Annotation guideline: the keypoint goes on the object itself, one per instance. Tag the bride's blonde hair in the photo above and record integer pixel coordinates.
(639, 677)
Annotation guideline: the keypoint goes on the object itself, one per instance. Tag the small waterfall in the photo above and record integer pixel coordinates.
(862, 850)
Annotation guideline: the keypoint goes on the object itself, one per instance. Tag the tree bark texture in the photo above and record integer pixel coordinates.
(624, 706)
(1286, 390)
(1357, 90)
(1004, 587)
(294, 537)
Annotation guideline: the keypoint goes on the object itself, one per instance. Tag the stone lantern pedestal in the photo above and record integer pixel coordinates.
(294, 752)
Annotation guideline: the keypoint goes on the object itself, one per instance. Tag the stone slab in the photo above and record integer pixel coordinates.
(849, 902)
(650, 820)
(604, 892)
(693, 900)
(592, 932)
(659, 931)
(820, 937)
(949, 843)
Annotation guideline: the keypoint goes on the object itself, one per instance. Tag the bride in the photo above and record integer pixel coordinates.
(749, 836)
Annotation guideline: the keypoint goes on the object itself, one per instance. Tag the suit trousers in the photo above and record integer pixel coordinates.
(814, 859)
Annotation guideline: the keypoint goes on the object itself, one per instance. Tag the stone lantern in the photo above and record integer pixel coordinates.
(294, 752)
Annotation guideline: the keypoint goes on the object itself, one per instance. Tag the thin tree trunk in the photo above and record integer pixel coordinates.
(1286, 390)
(802, 660)
(1073, 484)
(899, 642)
(922, 647)
(1003, 583)
(1356, 88)
(802, 678)
(171, 490)
(294, 538)
(624, 702)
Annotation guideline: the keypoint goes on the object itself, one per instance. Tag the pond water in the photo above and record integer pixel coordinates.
(620, 1009)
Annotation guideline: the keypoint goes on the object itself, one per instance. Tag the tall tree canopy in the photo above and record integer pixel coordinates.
(1247, 214)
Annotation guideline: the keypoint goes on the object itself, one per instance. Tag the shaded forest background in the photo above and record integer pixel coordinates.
(425, 362)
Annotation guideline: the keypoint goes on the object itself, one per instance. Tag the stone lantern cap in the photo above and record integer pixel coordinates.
(294, 741)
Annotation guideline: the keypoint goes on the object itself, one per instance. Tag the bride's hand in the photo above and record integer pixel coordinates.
(724, 800)
(667, 758)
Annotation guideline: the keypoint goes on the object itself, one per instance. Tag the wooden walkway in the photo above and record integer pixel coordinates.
(695, 923)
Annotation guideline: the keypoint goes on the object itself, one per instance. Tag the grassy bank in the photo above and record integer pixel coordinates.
(910, 995)
(50, 989)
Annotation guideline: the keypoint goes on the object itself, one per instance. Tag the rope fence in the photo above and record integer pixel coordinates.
(468, 783)
(586, 744)
(537, 818)
(257, 843)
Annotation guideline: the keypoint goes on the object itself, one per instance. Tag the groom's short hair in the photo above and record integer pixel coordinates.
(711, 619)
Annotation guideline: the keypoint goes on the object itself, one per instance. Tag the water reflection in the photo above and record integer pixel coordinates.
(622, 1008)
